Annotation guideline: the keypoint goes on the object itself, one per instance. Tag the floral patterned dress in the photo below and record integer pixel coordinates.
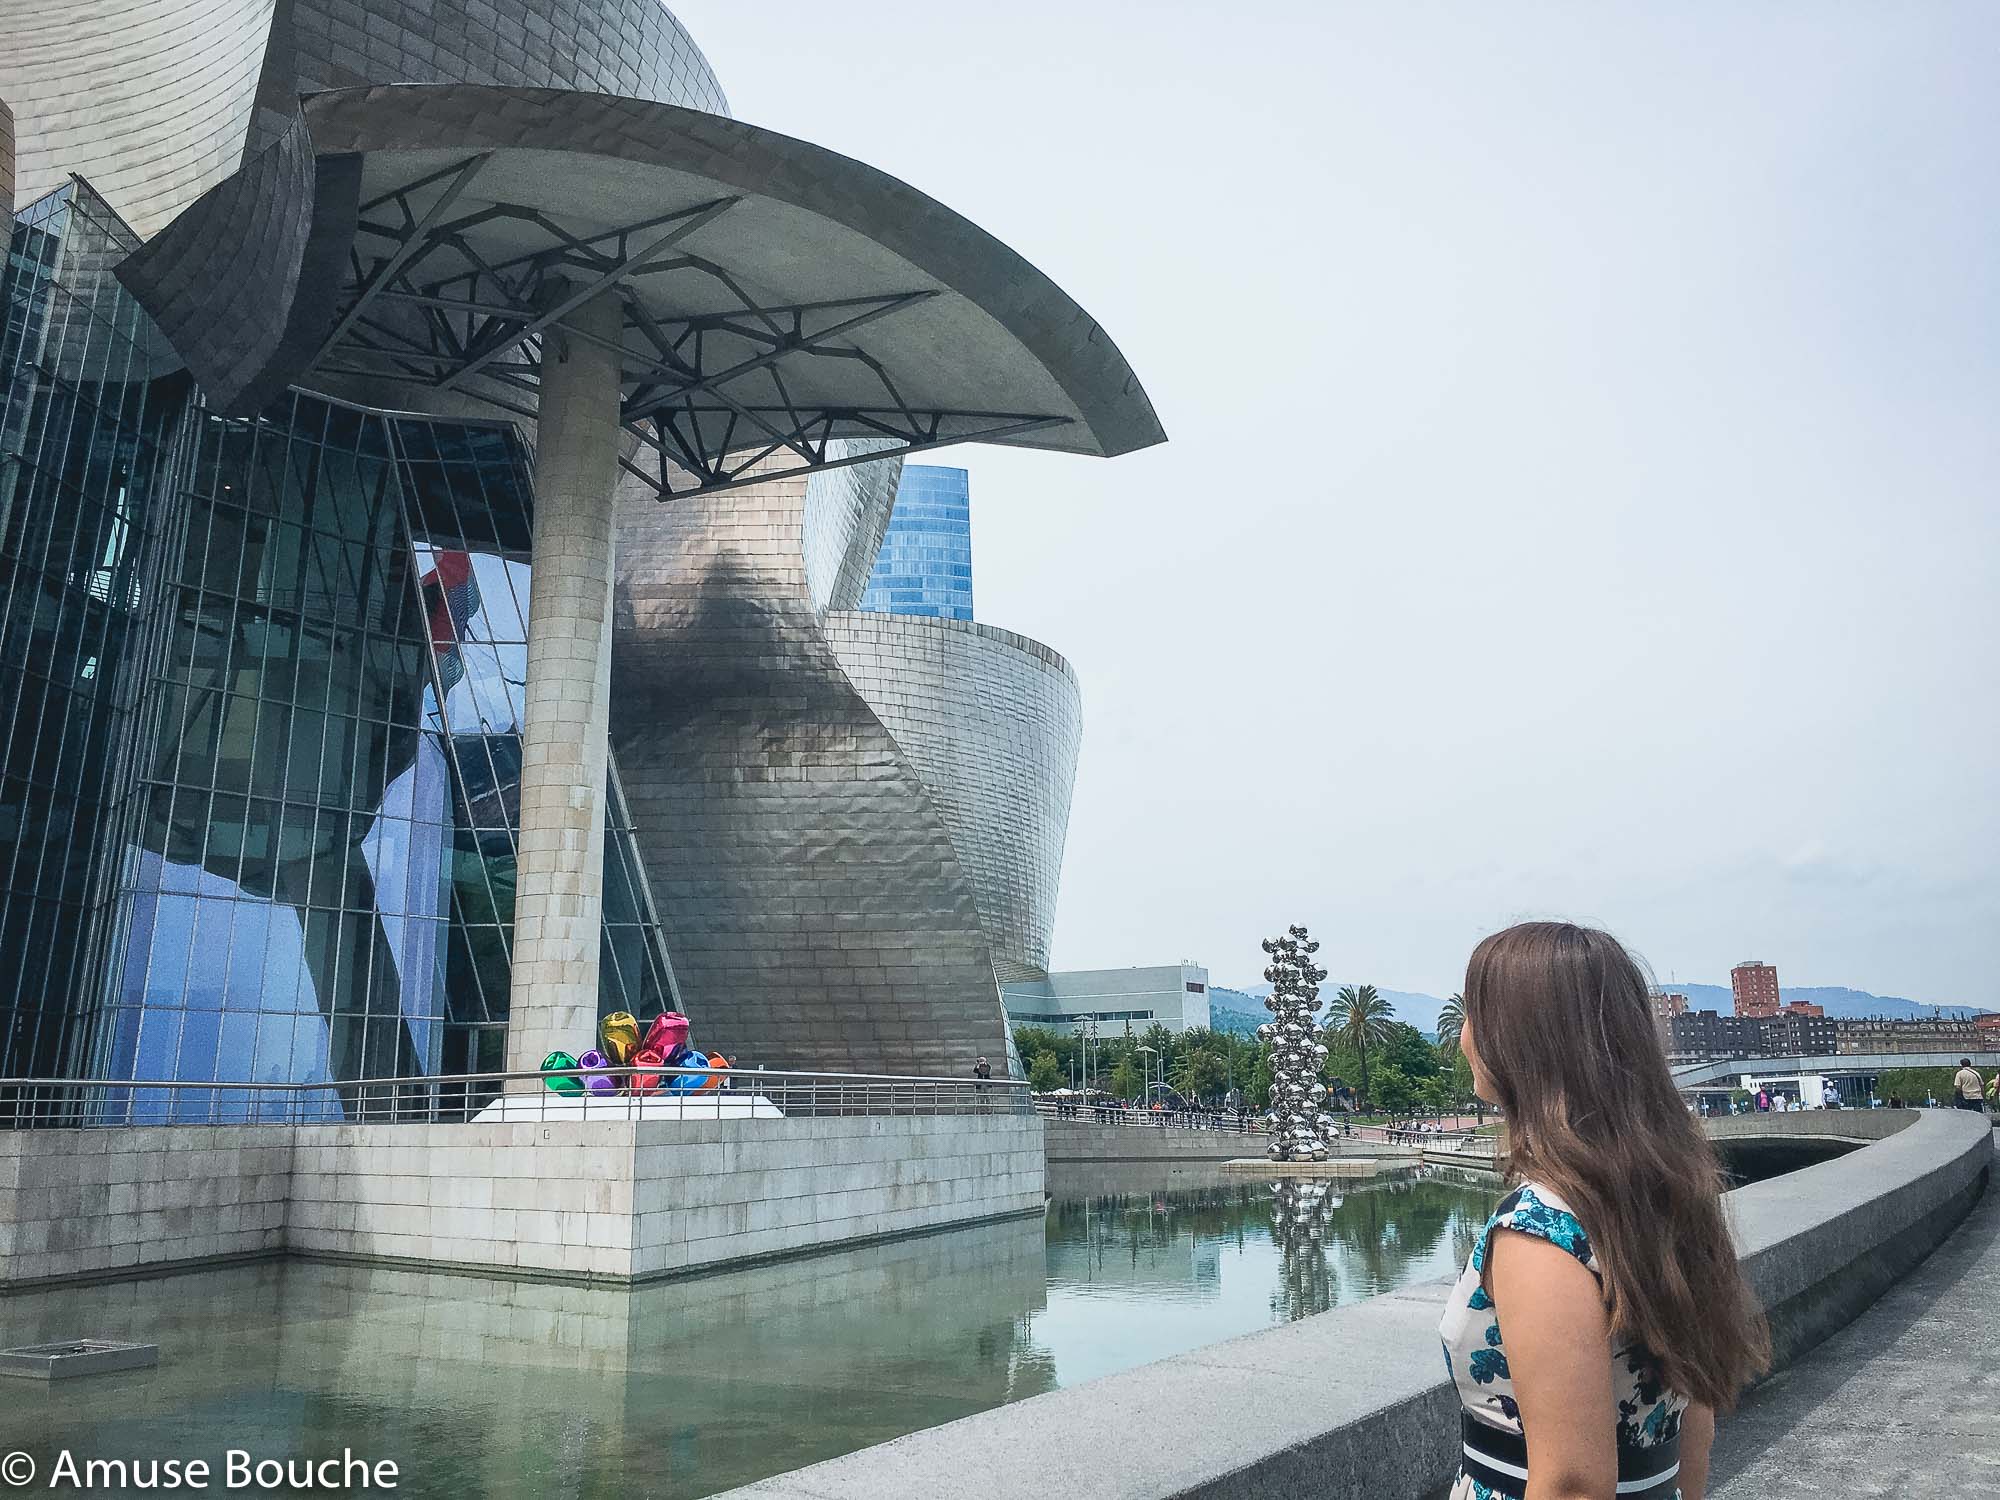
(1648, 1415)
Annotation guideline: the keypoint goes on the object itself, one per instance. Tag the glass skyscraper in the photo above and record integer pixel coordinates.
(925, 565)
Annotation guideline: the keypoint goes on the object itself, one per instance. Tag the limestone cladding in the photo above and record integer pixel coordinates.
(559, 895)
(993, 723)
(83, 1202)
(574, 1199)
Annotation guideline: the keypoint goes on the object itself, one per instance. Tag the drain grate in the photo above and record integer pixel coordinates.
(76, 1357)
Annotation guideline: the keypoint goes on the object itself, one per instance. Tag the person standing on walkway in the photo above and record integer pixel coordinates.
(1969, 1087)
(1628, 1323)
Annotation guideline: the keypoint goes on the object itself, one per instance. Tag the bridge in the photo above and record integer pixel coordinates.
(1723, 1072)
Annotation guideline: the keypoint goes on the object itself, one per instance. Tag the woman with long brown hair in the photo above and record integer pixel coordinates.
(1607, 1267)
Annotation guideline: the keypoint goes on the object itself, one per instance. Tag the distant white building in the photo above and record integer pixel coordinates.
(1174, 995)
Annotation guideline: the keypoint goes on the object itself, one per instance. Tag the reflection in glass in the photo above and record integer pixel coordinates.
(334, 785)
(88, 407)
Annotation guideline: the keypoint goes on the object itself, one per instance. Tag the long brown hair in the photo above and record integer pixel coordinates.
(1562, 1021)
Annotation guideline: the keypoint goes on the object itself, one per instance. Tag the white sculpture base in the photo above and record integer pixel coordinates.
(528, 1109)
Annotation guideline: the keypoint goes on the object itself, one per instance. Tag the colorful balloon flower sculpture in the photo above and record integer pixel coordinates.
(622, 1042)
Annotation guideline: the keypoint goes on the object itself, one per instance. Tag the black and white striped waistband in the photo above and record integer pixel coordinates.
(1499, 1460)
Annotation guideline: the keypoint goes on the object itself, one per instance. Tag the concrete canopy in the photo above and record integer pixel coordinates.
(775, 295)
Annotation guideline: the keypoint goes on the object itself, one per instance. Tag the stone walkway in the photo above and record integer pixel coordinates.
(1904, 1401)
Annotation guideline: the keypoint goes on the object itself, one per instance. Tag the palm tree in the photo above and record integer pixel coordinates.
(1360, 1016)
(1451, 1021)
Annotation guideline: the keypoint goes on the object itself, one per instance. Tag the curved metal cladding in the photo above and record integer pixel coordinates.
(150, 100)
(809, 890)
(847, 512)
(242, 285)
(993, 723)
(155, 101)
(632, 48)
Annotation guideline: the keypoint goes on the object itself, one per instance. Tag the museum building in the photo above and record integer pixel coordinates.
(442, 458)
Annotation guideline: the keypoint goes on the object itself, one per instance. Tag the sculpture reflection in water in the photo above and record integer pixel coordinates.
(1299, 1225)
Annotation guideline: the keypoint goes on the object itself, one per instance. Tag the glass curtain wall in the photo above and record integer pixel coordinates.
(260, 733)
(321, 888)
(85, 424)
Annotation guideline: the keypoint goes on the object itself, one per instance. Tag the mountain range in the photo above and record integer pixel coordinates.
(1241, 1011)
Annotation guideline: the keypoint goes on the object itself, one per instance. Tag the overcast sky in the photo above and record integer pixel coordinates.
(1581, 489)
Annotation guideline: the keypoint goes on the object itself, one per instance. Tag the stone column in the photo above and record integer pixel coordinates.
(559, 885)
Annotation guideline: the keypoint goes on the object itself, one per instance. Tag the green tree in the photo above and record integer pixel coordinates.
(1361, 1019)
(1199, 1074)
(1439, 1093)
(1913, 1085)
(1260, 1080)
(1451, 1022)
(1461, 1085)
(1125, 1080)
(1394, 1093)
(1044, 1072)
(1410, 1050)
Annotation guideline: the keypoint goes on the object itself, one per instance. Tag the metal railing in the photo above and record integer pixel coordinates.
(610, 1093)
(1144, 1117)
(1225, 1122)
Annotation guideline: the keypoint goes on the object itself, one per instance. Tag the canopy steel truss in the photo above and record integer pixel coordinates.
(439, 305)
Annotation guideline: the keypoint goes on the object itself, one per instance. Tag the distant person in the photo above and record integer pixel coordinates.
(982, 1070)
(1763, 1102)
(1968, 1087)
(1627, 1321)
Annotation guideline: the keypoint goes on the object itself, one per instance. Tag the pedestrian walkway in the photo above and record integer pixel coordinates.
(1904, 1401)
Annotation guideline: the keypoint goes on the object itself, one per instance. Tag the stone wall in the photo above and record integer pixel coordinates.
(83, 1202)
(1355, 1405)
(594, 1200)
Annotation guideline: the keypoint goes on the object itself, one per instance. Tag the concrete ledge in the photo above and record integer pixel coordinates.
(1354, 1404)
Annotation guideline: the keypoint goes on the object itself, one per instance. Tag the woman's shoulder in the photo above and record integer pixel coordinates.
(1537, 1210)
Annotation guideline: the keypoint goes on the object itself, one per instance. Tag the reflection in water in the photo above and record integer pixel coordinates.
(522, 1389)
(1144, 1264)
(1299, 1223)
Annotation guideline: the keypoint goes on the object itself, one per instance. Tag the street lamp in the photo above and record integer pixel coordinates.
(1146, 1079)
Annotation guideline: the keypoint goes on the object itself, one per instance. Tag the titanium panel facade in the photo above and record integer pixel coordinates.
(847, 511)
(993, 723)
(812, 898)
(156, 101)
(633, 48)
(149, 100)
